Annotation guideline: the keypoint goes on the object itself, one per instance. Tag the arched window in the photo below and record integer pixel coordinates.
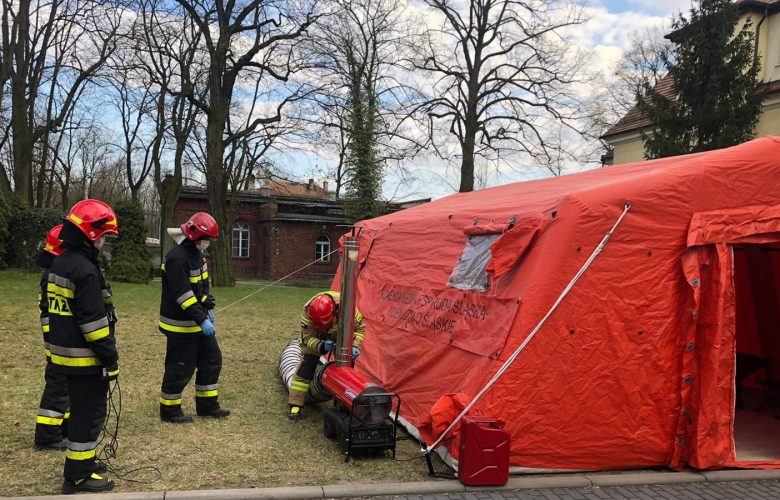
(322, 249)
(240, 239)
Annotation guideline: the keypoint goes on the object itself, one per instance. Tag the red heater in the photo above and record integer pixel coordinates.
(484, 452)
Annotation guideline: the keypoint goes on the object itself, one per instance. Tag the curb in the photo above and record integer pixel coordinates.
(433, 487)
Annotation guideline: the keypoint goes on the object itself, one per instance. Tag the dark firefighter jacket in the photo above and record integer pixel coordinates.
(185, 291)
(81, 313)
(43, 305)
(315, 339)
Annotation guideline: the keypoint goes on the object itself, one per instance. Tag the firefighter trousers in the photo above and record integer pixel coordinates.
(185, 355)
(87, 417)
(51, 424)
(299, 387)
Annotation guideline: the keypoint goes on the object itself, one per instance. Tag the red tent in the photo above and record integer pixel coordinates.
(636, 367)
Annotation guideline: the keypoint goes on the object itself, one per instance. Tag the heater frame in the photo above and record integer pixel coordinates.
(341, 413)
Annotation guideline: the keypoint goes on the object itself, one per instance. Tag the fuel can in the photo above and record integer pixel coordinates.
(484, 452)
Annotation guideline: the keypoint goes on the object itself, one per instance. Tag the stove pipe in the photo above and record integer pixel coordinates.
(349, 268)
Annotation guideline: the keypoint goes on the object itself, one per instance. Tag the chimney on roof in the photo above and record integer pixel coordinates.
(310, 187)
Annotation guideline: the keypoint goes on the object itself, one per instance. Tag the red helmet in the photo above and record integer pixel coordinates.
(94, 218)
(53, 241)
(200, 225)
(321, 310)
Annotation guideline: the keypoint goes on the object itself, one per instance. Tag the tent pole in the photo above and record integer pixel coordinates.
(427, 449)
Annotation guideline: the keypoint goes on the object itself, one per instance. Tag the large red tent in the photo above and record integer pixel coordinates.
(636, 367)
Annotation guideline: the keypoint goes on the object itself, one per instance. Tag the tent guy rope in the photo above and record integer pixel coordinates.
(425, 450)
(277, 281)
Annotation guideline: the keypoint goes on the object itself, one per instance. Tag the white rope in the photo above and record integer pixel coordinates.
(511, 359)
(277, 281)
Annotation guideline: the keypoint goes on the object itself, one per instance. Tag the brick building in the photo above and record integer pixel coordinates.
(279, 228)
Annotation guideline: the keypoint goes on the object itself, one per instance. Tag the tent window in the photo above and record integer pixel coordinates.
(469, 272)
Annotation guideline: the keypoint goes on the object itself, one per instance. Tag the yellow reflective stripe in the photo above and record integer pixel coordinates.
(97, 334)
(312, 343)
(75, 219)
(67, 415)
(79, 455)
(179, 329)
(187, 303)
(204, 298)
(47, 353)
(170, 402)
(59, 290)
(205, 394)
(48, 420)
(40, 296)
(65, 361)
(45, 328)
(299, 386)
(196, 279)
(162, 266)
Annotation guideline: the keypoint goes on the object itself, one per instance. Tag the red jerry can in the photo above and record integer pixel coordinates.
(484, 452)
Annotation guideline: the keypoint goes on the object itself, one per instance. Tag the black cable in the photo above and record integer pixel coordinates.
(111, 433)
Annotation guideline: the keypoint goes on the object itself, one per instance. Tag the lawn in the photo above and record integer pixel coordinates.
(255, 447)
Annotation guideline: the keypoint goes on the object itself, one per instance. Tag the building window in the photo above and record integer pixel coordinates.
(240, 239)
(322, 249)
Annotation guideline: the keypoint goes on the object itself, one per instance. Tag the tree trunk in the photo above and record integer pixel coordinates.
(467, 165)
(22, 143)
(216, 186)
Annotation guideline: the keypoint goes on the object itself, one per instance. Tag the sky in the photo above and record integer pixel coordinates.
(606, 35)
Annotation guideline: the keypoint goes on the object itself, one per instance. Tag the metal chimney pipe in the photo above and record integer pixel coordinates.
(349, 267)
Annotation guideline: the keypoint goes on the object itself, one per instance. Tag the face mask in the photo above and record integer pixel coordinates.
(98, 243)
(203, 245)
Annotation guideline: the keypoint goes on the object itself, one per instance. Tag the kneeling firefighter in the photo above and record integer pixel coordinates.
(82, 344)
(53, 414)
(187, 320)
(319, 327)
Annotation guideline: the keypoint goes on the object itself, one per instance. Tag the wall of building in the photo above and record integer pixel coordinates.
(291, 245)
(629, 148)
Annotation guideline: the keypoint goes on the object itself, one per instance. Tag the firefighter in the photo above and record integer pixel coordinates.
(187, 320)
(319, 325)
(51, 422)
(82, 344)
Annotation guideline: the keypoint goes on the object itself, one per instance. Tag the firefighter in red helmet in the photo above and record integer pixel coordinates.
(187, 320)
(51, 421)
(319, 326)
(82, 344)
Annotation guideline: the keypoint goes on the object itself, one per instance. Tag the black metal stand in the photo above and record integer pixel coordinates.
(357, 437)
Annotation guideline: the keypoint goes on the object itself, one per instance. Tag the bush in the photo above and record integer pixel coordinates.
(129, 257)
(25, 232)
(7, 208)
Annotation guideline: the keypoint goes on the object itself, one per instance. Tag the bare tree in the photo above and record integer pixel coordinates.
(641, 67)
(500, 72)
(50, 51)
(167, 46)
(361, 101)
(254, 37)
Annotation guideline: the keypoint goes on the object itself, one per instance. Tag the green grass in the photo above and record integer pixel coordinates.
(255, 447)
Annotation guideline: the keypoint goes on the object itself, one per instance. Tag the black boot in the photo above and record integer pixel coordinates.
(215, 413)
(176, 418)
(60, 445)
(93, 483)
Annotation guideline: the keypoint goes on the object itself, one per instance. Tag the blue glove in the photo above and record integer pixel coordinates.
(212, 318)
(208, 328)
(355, 353)
(328, 346)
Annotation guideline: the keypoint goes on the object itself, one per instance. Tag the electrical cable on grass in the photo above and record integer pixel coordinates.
(110, 433)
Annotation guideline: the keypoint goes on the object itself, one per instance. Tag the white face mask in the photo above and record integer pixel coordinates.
(98, 243)
(203, 245)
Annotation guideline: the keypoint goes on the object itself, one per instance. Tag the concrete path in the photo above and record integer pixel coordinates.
(748, 484)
